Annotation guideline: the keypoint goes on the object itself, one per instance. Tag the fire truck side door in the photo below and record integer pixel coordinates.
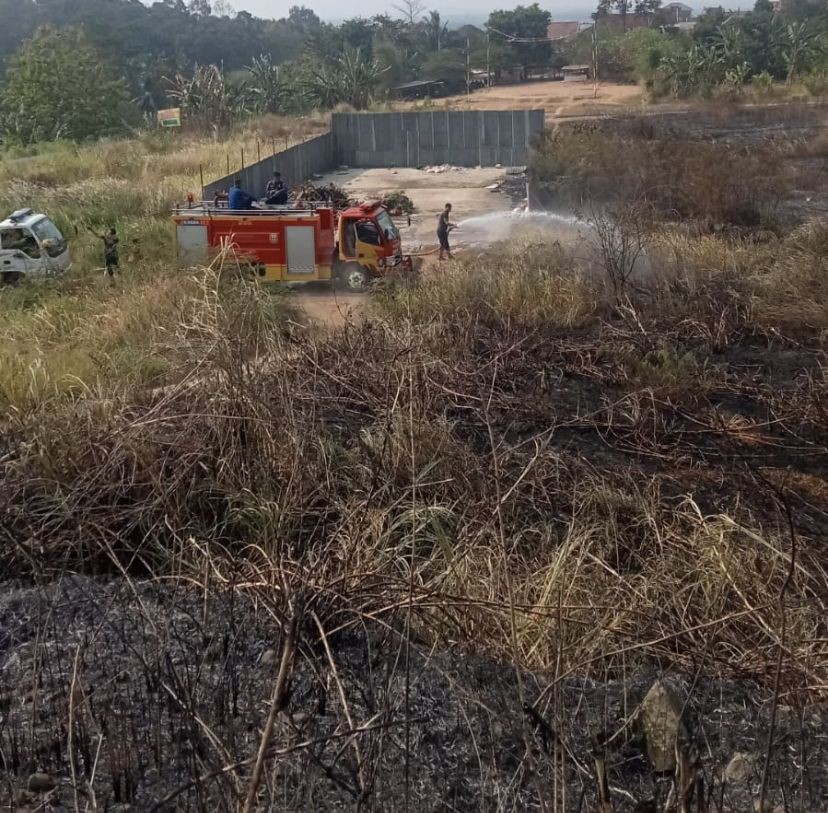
(301, 249)
(361, 241)
(347, 246)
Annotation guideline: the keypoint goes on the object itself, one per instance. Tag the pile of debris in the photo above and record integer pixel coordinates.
(329, 193)
(398, 203)
(513, 185)
(440, 168)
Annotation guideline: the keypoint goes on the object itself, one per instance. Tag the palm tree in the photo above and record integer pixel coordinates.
(729, 43)
(268, 93)
(435, 31)
(693, 71)
(350, 79)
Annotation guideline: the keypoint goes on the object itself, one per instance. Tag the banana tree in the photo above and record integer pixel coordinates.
(798, 48)
(267, 91)
(207, 95)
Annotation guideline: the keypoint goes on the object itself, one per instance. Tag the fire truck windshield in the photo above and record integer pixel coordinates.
(385, 223)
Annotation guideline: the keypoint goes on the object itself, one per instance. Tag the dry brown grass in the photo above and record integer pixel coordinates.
(779, 282)
(387, 460)
(681, 177)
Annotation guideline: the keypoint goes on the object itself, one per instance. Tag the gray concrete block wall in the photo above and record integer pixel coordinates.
(459, 137)
(296, 164)
(466, 138)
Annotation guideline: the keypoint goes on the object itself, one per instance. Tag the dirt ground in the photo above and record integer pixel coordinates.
(558, 99)
(467, 190)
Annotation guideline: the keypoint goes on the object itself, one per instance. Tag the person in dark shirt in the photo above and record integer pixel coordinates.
(276, 193)
(110, 242)
(238, 198)
(444, 226)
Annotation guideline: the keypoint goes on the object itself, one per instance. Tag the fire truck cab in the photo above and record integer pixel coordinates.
(294, 244)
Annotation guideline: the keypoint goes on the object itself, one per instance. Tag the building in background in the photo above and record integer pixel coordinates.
(673, 13)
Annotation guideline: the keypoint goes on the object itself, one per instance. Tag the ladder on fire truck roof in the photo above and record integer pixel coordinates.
(211, 208)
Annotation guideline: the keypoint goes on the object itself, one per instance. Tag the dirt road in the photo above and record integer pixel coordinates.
(325, 304)
(557, 99)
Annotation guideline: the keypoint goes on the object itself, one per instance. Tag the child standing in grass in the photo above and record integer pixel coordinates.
(110, 241)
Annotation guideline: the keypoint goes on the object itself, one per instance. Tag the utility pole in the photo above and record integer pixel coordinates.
(595, 59)
(468, 70)
(488, 59)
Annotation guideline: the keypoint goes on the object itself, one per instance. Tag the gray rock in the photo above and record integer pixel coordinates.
(300, 718)
(268, 657)
(740, 767)
(661, 721)
(41, 783)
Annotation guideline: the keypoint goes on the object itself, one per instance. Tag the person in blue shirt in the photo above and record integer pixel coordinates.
(238, 198)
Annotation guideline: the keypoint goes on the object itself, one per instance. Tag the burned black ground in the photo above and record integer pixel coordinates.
(147, 687)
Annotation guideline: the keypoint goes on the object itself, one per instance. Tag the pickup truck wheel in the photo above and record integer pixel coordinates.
(11, 277)
(357, 279)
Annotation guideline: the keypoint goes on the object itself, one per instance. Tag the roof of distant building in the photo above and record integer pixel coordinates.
(419, 83)
(563, 29)
(469, 30)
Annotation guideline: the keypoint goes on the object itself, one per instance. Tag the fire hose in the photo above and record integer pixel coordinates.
(430, 251)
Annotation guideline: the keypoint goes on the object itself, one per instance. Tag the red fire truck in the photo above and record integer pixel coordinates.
(291, 244)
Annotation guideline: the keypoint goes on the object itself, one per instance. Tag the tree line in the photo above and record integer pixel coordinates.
(101, 66)
(724, 54)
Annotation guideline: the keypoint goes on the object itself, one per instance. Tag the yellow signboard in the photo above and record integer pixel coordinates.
(170, 117)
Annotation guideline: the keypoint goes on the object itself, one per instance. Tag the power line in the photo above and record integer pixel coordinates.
(524, 40)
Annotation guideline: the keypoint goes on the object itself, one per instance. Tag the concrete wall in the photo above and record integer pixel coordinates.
(466, 138)
(462, 138)
(296, 164)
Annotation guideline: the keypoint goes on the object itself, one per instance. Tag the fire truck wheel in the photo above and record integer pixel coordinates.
(357, 279)
(11, 277)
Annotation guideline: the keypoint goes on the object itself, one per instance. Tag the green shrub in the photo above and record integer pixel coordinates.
(669, 371)
(762, 82)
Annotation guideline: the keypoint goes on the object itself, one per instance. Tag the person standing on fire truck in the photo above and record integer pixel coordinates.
(238, 198)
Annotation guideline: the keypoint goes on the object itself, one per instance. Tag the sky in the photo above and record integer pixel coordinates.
(455, 11)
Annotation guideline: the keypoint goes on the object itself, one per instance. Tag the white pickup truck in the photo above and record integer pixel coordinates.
(31, 246)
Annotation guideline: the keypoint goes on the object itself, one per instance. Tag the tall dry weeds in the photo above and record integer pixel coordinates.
(293, 463)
